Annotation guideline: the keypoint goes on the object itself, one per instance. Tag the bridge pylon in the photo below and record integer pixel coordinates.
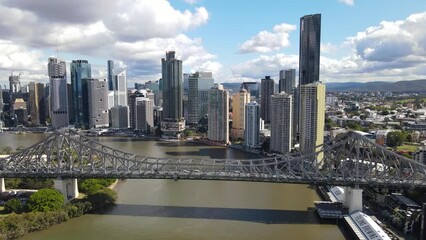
(2, 186)
(353, 198)
(68, 187)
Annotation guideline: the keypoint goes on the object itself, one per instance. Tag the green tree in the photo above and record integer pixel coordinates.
(329, 124)
(395, 139)
(13, 205)
(7, 150)
(45, 200)
(102, 199)
(354, 126)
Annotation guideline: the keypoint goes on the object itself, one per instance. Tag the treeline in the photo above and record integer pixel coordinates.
(46, 208)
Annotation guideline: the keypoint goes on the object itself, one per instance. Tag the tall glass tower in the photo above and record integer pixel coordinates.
(111, 75)
(80, 72)
(309, 51)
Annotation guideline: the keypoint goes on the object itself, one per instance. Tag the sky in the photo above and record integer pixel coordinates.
(238, 40)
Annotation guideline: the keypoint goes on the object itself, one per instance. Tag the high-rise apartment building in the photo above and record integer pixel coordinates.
(199, 85)
(173, 122)
(287, 81)
(111, 76)
(98, 103)
(312, 116)
(267, 86)
(281, 122)
(58, 93)
(239, 101)
(252, 125)
(309, 51)
(81, 71)
(144, 114)
(218, 111)
(132, 103)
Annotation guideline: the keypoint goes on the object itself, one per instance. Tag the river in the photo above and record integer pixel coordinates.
(167, 209)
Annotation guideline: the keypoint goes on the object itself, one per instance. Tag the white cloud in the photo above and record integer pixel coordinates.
(135, 33)
(266, 41)
(191, 1)
(347, 2)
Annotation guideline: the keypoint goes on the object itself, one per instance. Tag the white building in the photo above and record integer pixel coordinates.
(98, 102)
(218, 111)
(281, 122)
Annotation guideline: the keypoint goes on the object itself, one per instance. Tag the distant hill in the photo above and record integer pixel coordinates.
(400, 86)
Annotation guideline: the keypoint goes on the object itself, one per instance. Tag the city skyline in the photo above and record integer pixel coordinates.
(351, 51)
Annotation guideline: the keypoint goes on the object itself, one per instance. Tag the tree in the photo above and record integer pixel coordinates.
(13, 205)
(329, 124)
(102, 199)
(7, 150)
(354, 126)
(395, 139)
(45, 200)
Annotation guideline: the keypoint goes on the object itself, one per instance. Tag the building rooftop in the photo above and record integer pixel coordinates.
(365, 227)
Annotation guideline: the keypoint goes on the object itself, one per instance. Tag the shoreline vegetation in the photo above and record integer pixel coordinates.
(47, 208)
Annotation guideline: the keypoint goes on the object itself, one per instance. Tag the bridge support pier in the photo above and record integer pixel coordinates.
(353, 199)
(68, 187)
(2, 185)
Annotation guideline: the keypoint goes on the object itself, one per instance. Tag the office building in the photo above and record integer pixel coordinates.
(58, 93)
(20, 112)
(252, 125)
(287, 81)
(312, 117)
(121, 91)
(98, 103)
(34, 104)
(111, 76)
(80, 72)
(239, 101)
(199, 85)
(309, 49)
(14, 84)
(281, 122)
(119, 116)
(252, 88)
(173, 122)
(144, 114)
(218, 111)
(267, 89)
(41, 96)
(132, 104)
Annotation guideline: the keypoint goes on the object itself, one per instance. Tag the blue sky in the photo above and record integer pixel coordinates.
(236, 40)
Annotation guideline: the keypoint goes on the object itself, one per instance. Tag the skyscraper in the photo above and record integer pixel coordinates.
(80, 72)
(34, 104)
(199, 85)
(239, 101)
(121, 91)
(218, 121)
(281, 122)
(173, 122)
(98, 102)
(267, 89)
(252, 125)
(58, 93)
(111, 75)
(287, 81)
(14, 84)
(144, 114)
(119, 117)
(132, 104)
(312, 116)
(252, 88)
(41, 92)
(309, 51)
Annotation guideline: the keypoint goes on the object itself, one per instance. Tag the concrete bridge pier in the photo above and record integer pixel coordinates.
(3, 186)
(353, 198)
(68, 187)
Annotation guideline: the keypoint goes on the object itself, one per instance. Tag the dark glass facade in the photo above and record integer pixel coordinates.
(80, 72)
(111, 75)
(172, 87)
(309, 52)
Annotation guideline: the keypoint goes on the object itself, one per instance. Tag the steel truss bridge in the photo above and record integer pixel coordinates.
(348, 160)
